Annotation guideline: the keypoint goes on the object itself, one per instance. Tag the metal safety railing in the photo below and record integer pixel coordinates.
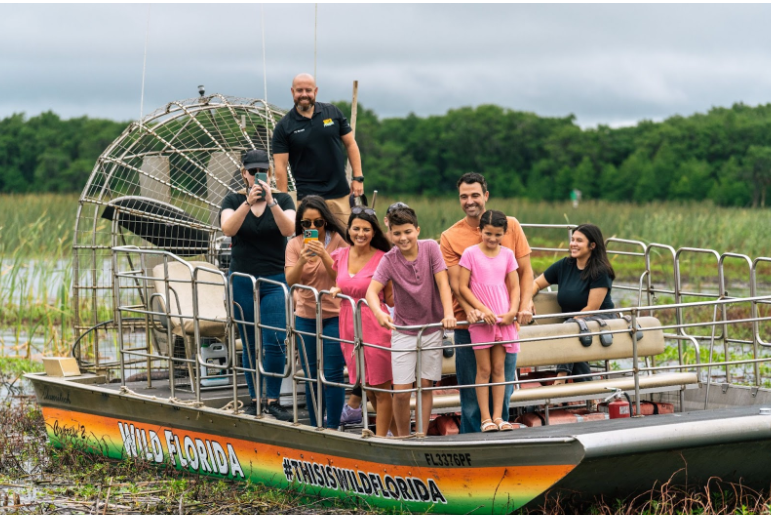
(682, 331)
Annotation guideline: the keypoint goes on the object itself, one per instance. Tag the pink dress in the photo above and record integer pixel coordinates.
(488, 284)
(377, 362)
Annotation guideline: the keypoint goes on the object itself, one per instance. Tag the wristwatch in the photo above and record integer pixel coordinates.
(275, 202)
(360, 179)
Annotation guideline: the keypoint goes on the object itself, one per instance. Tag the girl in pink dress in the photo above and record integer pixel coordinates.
(489, 282)
(355, 267)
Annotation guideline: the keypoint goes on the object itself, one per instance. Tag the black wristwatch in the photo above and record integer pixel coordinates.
(360, 179)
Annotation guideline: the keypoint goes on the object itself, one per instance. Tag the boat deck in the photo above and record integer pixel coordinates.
(658, 421)
(222, 395)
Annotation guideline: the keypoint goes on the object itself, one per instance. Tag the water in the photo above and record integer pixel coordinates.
(15, 343)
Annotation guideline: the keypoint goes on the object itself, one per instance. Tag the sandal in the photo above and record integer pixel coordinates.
(488, 426)
(503, 425)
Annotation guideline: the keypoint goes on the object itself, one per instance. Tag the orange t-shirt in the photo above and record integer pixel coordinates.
(461, 236)
(315, 275)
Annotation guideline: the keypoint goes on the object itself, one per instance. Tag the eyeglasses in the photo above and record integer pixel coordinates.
(254, 171)
(365, 210)
(317, 223)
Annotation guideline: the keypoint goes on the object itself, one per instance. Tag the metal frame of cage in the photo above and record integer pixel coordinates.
(185, 155)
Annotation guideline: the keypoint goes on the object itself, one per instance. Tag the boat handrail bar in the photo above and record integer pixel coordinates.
(719, 302)
(549, 226)
(623, 241)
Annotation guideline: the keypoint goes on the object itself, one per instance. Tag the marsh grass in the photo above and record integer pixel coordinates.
(717, 497)
(36, 234)
(678, 224)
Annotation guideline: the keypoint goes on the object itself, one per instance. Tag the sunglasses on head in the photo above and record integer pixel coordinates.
(365, 210)
(317, 223)
(254, 171)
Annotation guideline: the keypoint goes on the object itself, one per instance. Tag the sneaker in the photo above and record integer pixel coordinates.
(251, 409)
(278, 411)
(350, 415)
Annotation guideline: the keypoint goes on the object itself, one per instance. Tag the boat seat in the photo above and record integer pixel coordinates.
(211, 305)
(555, 350)
(546, 304)
(558, 350)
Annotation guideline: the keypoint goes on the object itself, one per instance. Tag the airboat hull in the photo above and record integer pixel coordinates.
(493, 474)
(434, 474)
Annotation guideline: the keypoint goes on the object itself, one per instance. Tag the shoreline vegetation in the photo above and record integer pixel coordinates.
(721, 155)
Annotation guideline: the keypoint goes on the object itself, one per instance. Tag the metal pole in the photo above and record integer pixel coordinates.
(419, 384)
(354, 112)
(636, 364)
(358, 349)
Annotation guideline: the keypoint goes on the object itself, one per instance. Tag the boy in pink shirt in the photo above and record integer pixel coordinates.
(422, 296)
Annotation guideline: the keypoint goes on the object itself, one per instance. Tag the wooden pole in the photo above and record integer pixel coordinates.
(354, 104)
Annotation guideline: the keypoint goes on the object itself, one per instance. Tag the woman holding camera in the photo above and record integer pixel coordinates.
(308, 262)
(259, 221)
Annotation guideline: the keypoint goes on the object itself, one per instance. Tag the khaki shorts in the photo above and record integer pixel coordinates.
(341, 208)
(404, 364)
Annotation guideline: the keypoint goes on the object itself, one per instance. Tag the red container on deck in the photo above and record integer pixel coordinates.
(619, 408)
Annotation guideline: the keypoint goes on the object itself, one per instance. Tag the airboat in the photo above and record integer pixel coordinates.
(154, 373)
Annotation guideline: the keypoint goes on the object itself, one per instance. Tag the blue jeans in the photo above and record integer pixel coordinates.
(466, 372)
(272, 313)
(331, 398)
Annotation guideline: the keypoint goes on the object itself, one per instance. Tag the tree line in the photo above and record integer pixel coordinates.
(723, 155)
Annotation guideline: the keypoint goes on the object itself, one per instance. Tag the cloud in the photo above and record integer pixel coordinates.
(604, 63)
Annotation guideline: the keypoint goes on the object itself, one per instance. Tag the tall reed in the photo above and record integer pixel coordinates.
(35, 256)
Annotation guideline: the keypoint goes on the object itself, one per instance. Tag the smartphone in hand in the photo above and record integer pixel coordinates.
(261, 176)
(309, 235)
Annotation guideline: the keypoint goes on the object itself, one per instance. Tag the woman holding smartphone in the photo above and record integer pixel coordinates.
(259, 221)
(308, 262)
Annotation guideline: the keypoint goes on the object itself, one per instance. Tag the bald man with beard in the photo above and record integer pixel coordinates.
(311, 138)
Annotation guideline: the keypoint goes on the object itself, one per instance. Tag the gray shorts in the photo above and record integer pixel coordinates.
(404, 364)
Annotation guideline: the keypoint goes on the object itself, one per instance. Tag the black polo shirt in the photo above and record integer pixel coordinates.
(316, 152)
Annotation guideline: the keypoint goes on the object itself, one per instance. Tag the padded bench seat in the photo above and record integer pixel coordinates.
(584, 390)
(562, 345)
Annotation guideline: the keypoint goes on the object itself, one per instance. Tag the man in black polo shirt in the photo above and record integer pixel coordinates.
(310, 138)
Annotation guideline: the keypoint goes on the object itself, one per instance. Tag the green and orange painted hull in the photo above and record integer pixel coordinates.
(483, 476)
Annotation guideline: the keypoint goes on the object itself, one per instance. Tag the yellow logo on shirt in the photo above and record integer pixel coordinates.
(328, 122)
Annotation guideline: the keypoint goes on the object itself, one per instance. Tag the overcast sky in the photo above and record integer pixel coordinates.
(610, 64)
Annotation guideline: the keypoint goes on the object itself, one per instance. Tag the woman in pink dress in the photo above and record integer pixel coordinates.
(355, 266)
(489, 282)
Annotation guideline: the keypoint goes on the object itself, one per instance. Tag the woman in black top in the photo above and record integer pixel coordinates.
(585, 280)
(259, 221)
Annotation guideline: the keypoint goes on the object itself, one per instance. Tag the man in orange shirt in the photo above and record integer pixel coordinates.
(473, 194)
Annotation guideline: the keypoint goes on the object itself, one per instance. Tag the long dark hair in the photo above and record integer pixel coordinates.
(598, 262)
(379, 241)
(320, 205)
